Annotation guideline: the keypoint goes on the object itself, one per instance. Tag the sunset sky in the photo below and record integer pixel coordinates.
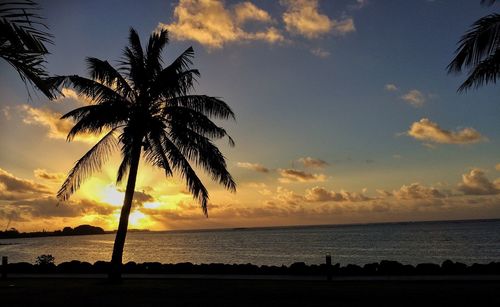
(345, 114)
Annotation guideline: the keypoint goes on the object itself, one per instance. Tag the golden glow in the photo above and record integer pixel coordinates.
(109, 194)
(152, 205)
(136, 220)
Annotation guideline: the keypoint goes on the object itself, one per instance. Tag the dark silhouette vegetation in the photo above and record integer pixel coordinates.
(478, 52)
(382, 268)
(23, 40)
(66, 231)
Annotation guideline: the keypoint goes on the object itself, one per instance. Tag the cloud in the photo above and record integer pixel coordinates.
(359, 4)
(6, 112)
(57, 128)
(313, 162)
(14, 188)
(68, 93)
(247, 11)
(320, 194)
(211, 24)
(391, 87)
(302, 17)
(476, 183)
(288, 196)
(426, 130)
(43, 174)
(253, 166)
(142, 197)
(414, 98)
(50, 207)
(320, 52)
(417, 191)
(293, 175)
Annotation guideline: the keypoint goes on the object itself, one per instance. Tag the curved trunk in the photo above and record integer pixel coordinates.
(116, 259)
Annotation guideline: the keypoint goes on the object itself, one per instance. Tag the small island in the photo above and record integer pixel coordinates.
(66, 231)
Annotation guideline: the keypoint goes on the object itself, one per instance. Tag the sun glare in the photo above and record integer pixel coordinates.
(109, 194)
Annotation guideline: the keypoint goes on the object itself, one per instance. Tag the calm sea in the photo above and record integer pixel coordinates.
(464, 241)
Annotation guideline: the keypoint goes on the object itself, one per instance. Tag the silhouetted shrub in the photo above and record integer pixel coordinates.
(21, 267)
(370, 268)
(45, 260)
(298, 268)
(101, 267)
(75, 267)
(130, 267)
(387, 267)
(449, 267)
(428, 269)
(351, 270)
(45, 264)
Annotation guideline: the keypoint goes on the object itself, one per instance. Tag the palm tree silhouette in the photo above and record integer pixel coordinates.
(479, 52)
(22, 42)
(151, 111)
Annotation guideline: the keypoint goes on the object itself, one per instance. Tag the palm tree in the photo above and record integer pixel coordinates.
(22, 42)
(147, 110)
(479, 52)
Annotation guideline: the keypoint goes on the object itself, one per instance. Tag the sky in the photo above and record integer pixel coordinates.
(345, 113)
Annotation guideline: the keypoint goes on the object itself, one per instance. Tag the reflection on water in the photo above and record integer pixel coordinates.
(467, 241)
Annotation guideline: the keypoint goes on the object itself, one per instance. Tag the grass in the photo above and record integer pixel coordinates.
(198, 292)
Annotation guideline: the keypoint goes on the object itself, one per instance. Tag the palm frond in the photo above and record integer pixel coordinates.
(200, 149)
(157, 42)
(96, 118)
(95, 91)
(90, 163)
(197, 121)
(106, 74)
(488, 71)
(155, 154)
(488, 2)
(180, 164)
(209, 106)
(134, 61)
(481, 41)
(22, 42)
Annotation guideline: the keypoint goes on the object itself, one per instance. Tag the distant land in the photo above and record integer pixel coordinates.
(66, 231)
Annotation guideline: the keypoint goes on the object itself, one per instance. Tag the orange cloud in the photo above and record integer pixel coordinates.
(57, 128)
(302, 17)
(417, 191)
(247, 11)
(253, 166)
(211, 24)
(414, 98)
(320, 194)
(293, 175)
(43, 174)
(429, 131)
(14, 188)
(476, 183)
(313, 162)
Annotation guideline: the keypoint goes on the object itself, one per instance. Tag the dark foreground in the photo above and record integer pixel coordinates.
(218, 292)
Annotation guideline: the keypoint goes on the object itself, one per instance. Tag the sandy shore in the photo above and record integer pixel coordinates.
(239, 292)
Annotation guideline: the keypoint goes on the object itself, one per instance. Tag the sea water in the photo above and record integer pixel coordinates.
(410, 243)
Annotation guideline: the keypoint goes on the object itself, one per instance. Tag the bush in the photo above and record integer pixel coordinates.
(45, 260)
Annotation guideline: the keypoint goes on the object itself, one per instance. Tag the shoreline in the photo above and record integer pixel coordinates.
(41, 234)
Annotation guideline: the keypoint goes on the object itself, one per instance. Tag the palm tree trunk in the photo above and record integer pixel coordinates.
(116, 259)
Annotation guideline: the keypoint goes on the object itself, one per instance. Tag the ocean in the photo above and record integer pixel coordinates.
(469, 242)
